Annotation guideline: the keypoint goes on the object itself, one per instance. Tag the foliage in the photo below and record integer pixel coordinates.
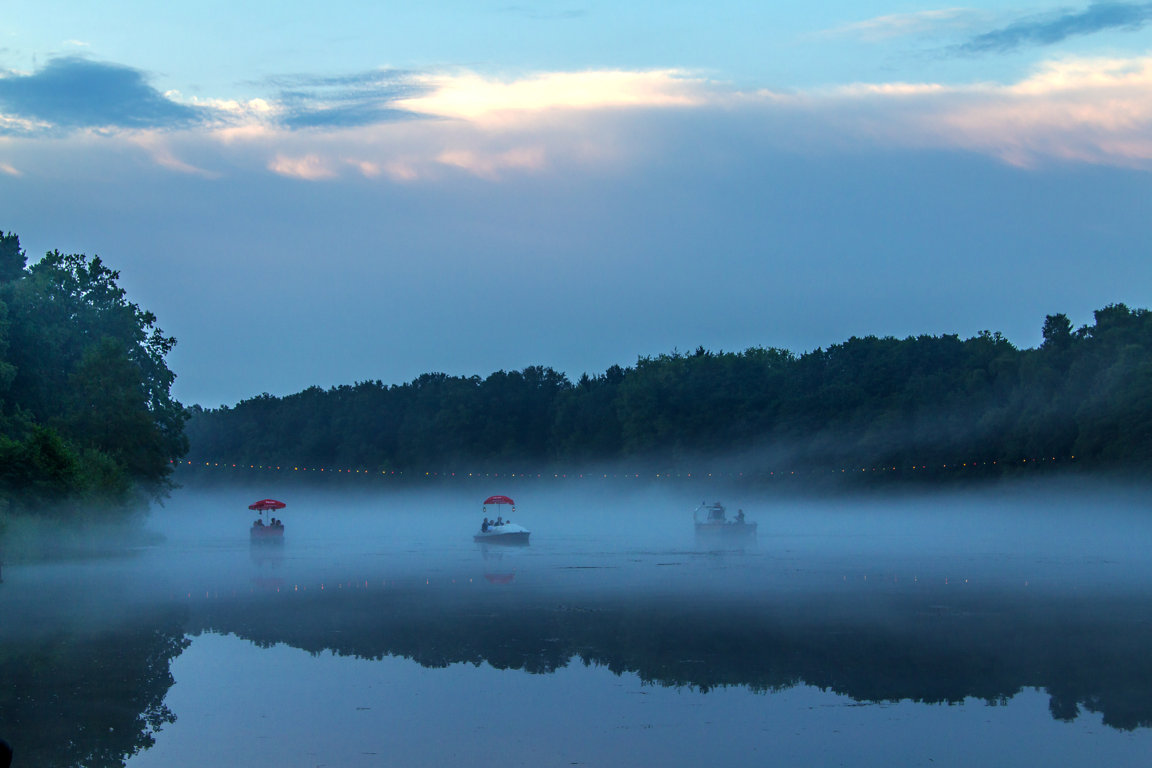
(85, 407)
(868, 402)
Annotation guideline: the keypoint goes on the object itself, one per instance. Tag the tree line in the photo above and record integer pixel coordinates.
(921, 401)
(87, 419)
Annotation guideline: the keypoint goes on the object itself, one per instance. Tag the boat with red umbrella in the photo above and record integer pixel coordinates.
(501, 531)
(273, 530)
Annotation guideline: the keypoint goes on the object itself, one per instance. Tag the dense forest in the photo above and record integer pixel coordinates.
(869, 403)
(86, 413)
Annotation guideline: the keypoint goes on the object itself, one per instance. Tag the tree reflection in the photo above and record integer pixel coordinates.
(85, 695)
(1086, 652)
(72, 697)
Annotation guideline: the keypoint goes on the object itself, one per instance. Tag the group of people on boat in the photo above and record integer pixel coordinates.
(272, 523)
(716, 514)
(489, 524)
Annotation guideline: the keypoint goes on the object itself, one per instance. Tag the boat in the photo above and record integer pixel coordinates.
(501, 531)
(712, 524)
(271, 532)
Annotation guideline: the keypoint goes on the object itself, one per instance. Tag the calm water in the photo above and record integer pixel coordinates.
(1009, 627)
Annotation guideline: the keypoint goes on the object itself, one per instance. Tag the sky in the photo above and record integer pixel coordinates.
(325, 193)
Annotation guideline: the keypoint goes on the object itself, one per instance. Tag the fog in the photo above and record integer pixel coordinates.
(1055, 535)
(1022, 526)
(931, 598)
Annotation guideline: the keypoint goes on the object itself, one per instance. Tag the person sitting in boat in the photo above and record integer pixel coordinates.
(740, 517)
(259, 523)
(484, 526)
(499, 520)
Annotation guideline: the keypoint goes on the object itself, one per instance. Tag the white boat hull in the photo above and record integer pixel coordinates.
(726, 531)
(509, 533)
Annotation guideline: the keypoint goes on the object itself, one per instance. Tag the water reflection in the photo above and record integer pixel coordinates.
(86, 649)
(73, 697)
(887, 642)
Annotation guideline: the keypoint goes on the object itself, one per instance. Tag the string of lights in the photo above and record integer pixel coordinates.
(783, 473)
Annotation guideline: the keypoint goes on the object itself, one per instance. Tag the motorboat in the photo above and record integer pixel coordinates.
(501, 531)
(712, 524)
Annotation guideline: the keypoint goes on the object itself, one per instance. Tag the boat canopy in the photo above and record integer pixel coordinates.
(498, 500)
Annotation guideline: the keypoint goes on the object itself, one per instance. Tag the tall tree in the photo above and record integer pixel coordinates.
(88, 368)
(12, 259)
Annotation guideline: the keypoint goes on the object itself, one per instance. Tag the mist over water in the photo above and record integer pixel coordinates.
(961, 598)
(1071, 534)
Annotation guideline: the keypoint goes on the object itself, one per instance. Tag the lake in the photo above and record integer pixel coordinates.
(1009, 626)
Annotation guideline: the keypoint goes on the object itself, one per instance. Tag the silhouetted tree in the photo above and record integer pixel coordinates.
(922, 401)
(85, 399)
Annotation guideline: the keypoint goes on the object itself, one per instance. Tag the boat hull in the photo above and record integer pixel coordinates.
(514, 538)
(266, 535)
(726, 532)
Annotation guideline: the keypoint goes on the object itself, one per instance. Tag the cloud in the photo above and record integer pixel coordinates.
(489, 165)
(74, 92)
(610, 123)
(344, 116)
(485, 127)
(917, 24)
(161, 153)
(1095, 111)
(1054, 28)
(344, 101)
(307, 167)
(477, 98)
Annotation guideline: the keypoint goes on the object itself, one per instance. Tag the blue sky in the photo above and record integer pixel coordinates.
(325, 193)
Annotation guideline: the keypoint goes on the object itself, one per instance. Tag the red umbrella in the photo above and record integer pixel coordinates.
(498, 500)
(266, 504)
